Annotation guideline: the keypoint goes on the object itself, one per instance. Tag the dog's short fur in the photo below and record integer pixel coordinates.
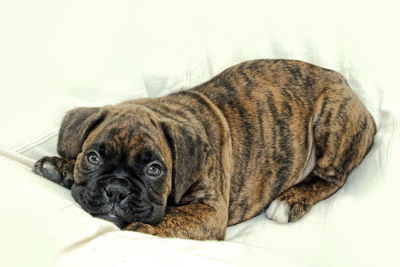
(276, 134)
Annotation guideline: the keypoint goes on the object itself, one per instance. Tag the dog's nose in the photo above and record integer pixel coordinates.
(116, 193)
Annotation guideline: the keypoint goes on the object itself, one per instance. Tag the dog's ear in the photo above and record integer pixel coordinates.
(189, 155)
(75, 128)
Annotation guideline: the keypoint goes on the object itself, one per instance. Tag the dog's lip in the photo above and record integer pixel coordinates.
(112, 216)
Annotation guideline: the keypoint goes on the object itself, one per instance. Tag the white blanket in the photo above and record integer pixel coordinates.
(55, 55)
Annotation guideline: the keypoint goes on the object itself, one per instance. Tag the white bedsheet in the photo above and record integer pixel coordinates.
(55, 55)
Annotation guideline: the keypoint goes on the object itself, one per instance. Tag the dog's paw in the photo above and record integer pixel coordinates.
(288, 208)
(141, 227)
(49, 168)
(278, 211)
(46, 167)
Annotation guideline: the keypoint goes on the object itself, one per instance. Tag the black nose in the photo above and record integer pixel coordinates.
(116, 193)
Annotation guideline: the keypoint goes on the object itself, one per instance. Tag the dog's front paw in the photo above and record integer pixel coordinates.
(46, 167)
(53, 168)
(141, 227)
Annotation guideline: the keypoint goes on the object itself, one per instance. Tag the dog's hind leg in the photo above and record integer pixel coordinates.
(343, 134)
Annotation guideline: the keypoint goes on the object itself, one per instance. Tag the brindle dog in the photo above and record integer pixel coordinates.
(275, 134)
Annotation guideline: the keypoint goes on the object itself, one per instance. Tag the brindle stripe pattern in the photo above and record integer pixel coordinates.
(235, 143)
(268, 105)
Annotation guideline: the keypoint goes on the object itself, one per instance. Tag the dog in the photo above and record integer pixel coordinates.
(279, 135)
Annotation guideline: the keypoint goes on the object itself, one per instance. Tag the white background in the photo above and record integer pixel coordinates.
(57, 54)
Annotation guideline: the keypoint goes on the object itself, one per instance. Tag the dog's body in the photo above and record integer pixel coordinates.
(275, 134)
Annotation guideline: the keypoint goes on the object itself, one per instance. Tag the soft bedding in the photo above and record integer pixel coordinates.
(59, 55)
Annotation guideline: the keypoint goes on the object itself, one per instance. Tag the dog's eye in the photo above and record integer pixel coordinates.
(93, 158)
(154, 169)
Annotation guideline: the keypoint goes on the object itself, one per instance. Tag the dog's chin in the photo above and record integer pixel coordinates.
(121, 223)
(114, 219)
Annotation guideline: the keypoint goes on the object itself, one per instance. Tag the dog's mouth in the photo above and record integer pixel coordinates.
(151, 214)
(111, 217)
(119, 209)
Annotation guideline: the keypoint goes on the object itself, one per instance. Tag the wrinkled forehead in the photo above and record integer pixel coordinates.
(130, 142)
(128, 137)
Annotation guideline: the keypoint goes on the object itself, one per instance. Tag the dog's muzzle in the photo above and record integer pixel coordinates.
(118, 200)
(116, 190)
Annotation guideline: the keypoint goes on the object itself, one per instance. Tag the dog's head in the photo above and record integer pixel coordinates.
(129, 161)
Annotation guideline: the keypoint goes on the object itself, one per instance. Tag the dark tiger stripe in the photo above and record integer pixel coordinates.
(328, 118)
(291, 93)
(289, 96)
(249, 84)
(283, 149)
(229, 100)
(165, 110)
(343, 105)
(350, 153)
(260, 118)
(294, 71)
(255, 66)
(287, 110)
(324, 101)
(181, 103)
(341, 119)
(243, 74)
(206, 123)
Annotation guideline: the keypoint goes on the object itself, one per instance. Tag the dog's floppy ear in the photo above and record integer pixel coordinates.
(189, 155)
(75, 128)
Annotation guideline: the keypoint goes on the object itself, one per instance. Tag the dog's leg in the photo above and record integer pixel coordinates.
(295, 202)
(193, 221)
(324, 180)
(344, 133)
(58, 170)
